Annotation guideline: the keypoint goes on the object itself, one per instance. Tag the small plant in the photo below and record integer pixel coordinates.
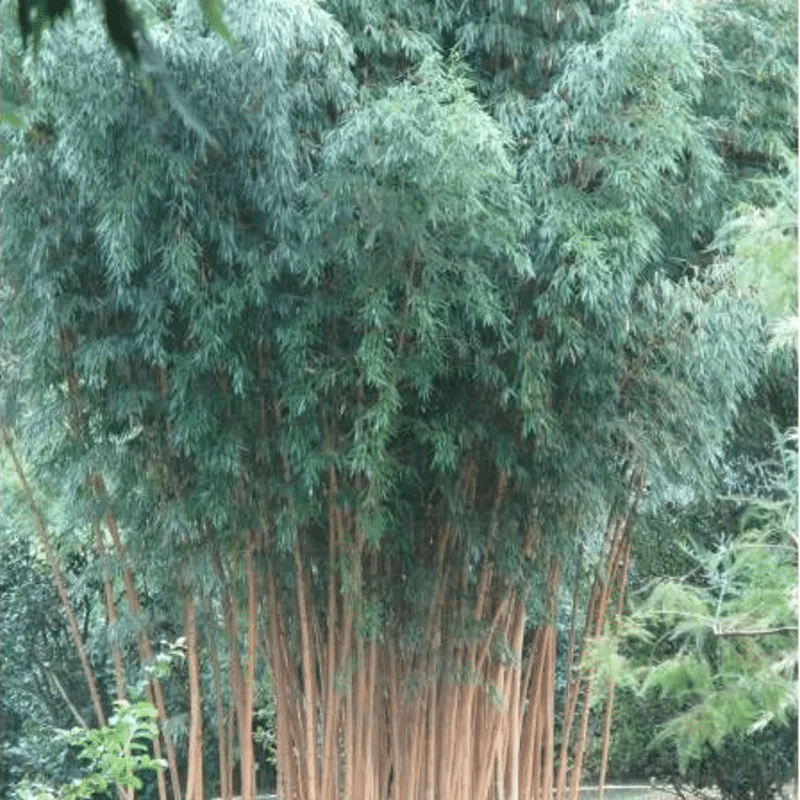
(723, 642)
(115, 755)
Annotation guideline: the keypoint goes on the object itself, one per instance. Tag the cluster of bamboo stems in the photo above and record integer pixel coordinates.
(365, 717)
(459, 717)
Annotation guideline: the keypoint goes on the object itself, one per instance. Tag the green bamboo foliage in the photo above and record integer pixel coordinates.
(363, 337)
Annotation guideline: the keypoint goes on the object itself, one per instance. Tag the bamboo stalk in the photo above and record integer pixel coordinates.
(416, 731)
(247, 756)
(505, 685)
(448, 734)
(370, 765)
(467, 745)
(549, 684)
(65, 697)
(330, 699)
(515, 701)
(398, 756)
(549, 678)
(237, 677)
(290, 697)
(599, 615)
(279, 684)
(58, 577)
(153, 691)
(309, 677)
(194, 778)
(612, 686)
(530, 726)
(380, 752)
(111, 609)
(358, 699)
(346, 669)
(547, 713)
(223, 749)
(479, 741)
(430, 732)
(573, 682)
(67, 342)
(111, 617)
(498, 719)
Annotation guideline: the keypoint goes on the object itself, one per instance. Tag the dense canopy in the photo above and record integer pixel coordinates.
(357, 333)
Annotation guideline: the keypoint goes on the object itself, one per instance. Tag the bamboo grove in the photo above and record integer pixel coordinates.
(354, 349)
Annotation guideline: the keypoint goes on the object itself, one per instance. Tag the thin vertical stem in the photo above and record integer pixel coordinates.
(529, 738)
(616, 541)
(194, 777)
(621, 586)
(515, 705)
(247, 756)
(58, 578)
(309, 676)
(223, 750)
(111, 617)
(153, 691)
(111, 610)
(330, 701)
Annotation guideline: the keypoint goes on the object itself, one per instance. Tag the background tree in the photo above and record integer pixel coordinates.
(39, 667)
(717, 672)
(716, 692)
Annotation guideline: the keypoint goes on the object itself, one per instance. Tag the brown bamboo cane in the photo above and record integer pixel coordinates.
(621, 586)
(288, 698)
(223, 749)
(380, 730)
(285, 787)
(346, 668)
(573, 666)
(330, 701)
(515, 700)
(537, 765)
(153, 691)
(111, 609)
(573, 677)
(111, 617)
(474, 750)
(194, 777)
(491, 754)
(448, 731)
(58, 577)
(479, 740)
(358, 700)
(416, 726)
(637, 489)
(370, 764)
(507, 695)
(246, 753)
(237, 675)
(529, 772)
(600, 609)
(398, 752)
(550, 680)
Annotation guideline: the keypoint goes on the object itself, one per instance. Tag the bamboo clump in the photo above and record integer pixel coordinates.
(468, 713)
(368, 718)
